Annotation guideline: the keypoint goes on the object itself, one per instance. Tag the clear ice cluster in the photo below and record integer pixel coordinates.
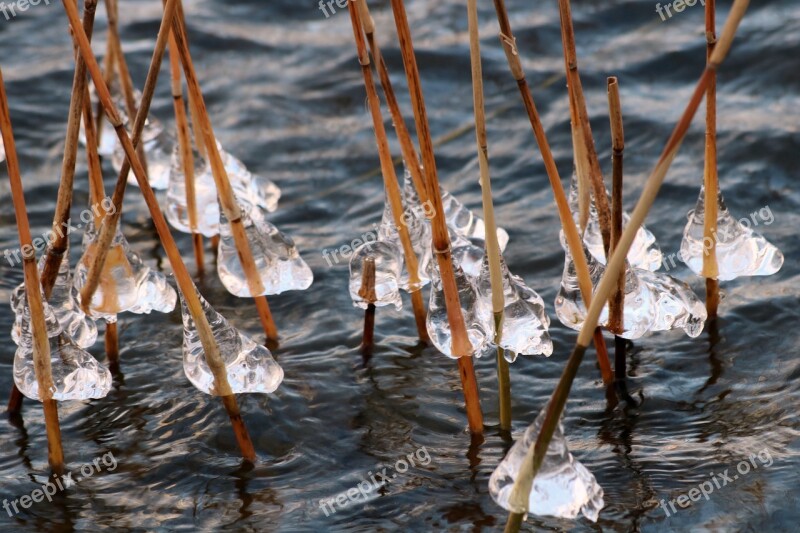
(76, 374)
(388, 266)
(562, 488)
(250, 366)
(653, 301)
(740, 250)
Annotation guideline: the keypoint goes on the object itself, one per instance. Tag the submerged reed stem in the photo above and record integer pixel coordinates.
(710, 176)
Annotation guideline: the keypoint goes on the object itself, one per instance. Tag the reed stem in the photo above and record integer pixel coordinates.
(441, 238)
(229, 205)
(574, 242)
(616, 263)
(41, 343)
(367, 292)
(710, 176)
(390, 183)
(109, 66)
(112, 344)
(211, 348)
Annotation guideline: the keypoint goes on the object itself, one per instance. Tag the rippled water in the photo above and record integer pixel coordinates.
(286, 97)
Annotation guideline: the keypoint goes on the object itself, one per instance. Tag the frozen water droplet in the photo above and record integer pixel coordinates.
(76, 374)
(563, 487)
(64, 304)
(644, 252)
(279, 264)
(388, 265)
(250, 366)
(117, 291)
(653, 301)
(437, 324)
(740, 250)
(525, 321)
(205, 196)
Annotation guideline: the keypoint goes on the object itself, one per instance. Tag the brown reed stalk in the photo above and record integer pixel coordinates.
(109, 65)
(229, 205)
(126, 82)
(41, 343)
(616, 263)
(210, 347)
(581, 115)
(105, 233)
(367, 292)
(492, 244)
(441, 238)
(574, 242)
(60, 243)
(195, 115)
(387, 167)
(710, 177)
(185, 147)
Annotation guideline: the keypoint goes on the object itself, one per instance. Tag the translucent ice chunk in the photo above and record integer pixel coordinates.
(388, 265)
(525, 322)
(64, 304)
(250, 189)
(279, 264)
(419, 230)
(205, 196)
(740, 250)
(158, 146)
(117, 291)
(154, 290)
(466, 254)
(563, 487)
(644, 252)
(653, 301)
(437, 324)
(76, 374)
(250, 366)
(2, 150)
(108, 137)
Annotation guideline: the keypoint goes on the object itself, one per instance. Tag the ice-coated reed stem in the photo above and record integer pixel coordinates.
(710, 176)
(441, 238)
(524, 481)
(367, 292)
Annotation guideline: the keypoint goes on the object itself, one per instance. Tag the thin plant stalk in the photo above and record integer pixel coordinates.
(492, 244)
(524, 482)
(588, 153)
(367, 292)
(574, 242)
(229, 205)
(185, 147)
(105, 233)
(211, 348)
(387, 168)
(109, 64)
(41, 343)
(710, 176)
(441, 238)
(60, 243)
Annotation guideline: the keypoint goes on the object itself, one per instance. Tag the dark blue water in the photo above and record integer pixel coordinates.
(286, 96)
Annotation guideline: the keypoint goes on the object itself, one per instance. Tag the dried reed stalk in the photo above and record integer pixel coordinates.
(574, 242)
(710, 177)
(211, 348)
(441, 238)
(41, 343)
(367, 292)
(229, 205)
(616, 263)
(390, 184)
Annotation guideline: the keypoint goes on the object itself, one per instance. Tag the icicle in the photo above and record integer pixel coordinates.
(64, 304)
(644, 252)
(563, 487)
(76, 374)
(525, 322)
(740, 250)
(250, 189)
(250, 366)
(279, 264)
(653, 301)
(117, 291)
(437, 324)
(205, 196)
(388, 266)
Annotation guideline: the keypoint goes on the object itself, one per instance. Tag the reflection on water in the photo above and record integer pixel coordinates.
(287, 98)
